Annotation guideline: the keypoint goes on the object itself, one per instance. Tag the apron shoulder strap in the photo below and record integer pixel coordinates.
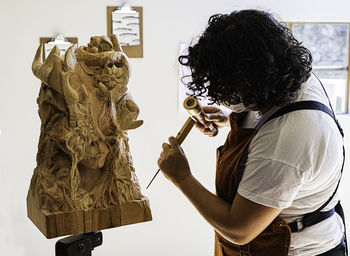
(305, 105)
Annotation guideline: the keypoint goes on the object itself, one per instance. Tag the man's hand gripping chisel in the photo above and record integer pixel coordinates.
(193, 107)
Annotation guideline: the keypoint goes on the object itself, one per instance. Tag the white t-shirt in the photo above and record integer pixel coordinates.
(294, 164)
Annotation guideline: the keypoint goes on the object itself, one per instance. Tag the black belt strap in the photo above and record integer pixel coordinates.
(307, 221)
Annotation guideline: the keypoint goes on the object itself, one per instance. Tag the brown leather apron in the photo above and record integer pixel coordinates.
(275, 239)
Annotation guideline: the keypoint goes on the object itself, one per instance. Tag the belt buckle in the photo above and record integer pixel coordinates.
(300, 224)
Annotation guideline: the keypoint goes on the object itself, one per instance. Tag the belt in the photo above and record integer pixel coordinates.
(309, 220)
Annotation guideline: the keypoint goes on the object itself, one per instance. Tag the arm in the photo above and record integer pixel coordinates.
(239, 222)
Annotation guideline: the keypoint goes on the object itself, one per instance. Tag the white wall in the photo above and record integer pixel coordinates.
(177, 229)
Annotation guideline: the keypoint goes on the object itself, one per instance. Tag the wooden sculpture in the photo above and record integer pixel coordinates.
(85, 180)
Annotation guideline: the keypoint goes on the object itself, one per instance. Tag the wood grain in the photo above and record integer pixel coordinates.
(84, 180)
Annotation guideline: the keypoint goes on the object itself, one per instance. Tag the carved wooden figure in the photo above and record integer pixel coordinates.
(85, 180)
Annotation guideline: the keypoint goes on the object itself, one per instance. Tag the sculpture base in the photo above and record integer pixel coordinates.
(78, 222)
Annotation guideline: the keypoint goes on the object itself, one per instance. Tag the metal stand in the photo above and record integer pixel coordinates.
(78, 245)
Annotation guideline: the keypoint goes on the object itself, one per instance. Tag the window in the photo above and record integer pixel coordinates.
(329, 46)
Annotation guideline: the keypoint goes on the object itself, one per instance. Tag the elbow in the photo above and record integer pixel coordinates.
(243, 240)
(241, 232)
(238, 237)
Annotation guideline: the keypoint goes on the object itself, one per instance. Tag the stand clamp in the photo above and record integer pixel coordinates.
(78, 245)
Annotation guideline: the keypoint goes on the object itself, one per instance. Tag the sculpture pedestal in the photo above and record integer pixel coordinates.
(78, 222)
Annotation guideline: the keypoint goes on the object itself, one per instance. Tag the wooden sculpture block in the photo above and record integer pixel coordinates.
(84, 180)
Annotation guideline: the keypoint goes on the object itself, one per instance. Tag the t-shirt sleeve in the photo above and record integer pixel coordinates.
(270, 182)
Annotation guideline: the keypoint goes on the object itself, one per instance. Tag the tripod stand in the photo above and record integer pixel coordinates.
(78, 245)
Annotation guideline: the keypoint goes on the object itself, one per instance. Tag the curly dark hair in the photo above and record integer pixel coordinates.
(247, 57)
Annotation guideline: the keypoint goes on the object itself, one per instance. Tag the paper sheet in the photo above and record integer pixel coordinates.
(126, 25)
(61, 43)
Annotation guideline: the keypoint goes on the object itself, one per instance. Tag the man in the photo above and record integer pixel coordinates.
(278, 172)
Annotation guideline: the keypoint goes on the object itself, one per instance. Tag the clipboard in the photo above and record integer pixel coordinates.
(132, 51)
(62, 42)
